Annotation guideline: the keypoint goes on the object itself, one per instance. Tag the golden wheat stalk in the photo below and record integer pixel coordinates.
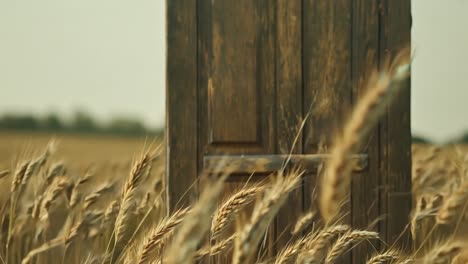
(139, 171)
(454, 206)
(336, 179)
(386, 257)
(289, 253)
(54, 171)
(159, 234)
(19, 175)
(345, 241)
(195, 225)
(53, 192)
(303, 222)
(43, 248)
(443, 253)
(231, 207)
(90, 218)
(314, 249)
(4, 173)
(35, 165)
(92, 198)
(250, 236)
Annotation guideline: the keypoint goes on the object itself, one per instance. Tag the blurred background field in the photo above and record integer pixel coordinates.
(77, 150)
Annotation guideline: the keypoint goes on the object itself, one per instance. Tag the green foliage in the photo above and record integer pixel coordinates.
(416, 139)
(81, 122)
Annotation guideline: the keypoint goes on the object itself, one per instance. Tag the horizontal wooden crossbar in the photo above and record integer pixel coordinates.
(271, 163)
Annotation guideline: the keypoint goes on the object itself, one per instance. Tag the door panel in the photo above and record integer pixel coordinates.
(237, 89)
(327, 71)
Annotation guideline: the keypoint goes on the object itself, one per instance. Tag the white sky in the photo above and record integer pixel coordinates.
(108, 56)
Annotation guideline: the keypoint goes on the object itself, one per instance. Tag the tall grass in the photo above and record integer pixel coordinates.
(50, 214)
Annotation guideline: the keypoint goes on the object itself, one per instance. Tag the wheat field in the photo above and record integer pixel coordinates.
(85, 200)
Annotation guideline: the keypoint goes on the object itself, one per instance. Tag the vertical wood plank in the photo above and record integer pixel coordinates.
(289, 103)
(327, 81)
(365, 185)
(236, 82)
(326, 73)
(395, 35)
(181, 90)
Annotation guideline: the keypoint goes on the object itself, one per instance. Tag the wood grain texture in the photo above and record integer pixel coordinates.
(396, 35)
(327, 71)
(237, 77)
(240, 164)
(241, 77)
(365, 207)
(289, 104)
(181, 90)
(327, 80)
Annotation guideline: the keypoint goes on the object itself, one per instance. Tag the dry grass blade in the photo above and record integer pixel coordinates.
(385, 257)
(336, 179)
(139, 171)
(314, 249)
(43, 248)
(304, 222)
(345, 241)
(158, 234)
(250, 236)
(231, 207)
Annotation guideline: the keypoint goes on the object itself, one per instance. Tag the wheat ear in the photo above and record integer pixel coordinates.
(336, 178)
(159, 234)
(250, 236)
(232, 206)
(303, 222)
(315, 248)
(385, 257)
(454, 206)
(345, 241)
(4, 173)
(443, 254)
(138, 172)
(289, 253)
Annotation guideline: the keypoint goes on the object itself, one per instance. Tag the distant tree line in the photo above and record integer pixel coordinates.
(423, 140)
(81, 122)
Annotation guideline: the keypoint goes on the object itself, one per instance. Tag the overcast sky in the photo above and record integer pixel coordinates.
(108, 56)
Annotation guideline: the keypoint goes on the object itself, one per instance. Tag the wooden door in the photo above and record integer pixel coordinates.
(242, 76)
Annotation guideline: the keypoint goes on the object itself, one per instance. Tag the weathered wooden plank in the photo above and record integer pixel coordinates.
(236, 77)
(236, 85)
(396, 35)
(365, 185)
(181, 90)
(271, 163)
(289, 105)
(327, 71)
(327, 78)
